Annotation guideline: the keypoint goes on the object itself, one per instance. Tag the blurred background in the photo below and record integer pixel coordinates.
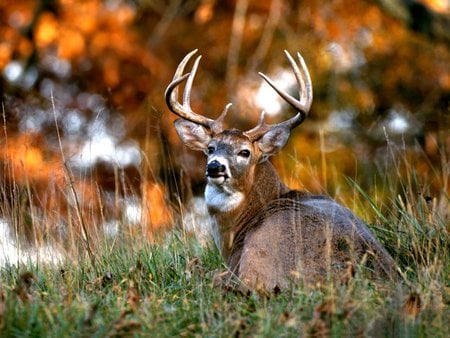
(87, 139)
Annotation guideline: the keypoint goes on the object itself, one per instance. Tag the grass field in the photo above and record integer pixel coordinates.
(129, 286)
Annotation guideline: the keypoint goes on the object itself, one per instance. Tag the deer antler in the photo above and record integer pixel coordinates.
(302, 105)
(184, 110)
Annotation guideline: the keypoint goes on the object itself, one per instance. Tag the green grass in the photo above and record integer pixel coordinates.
(166, 289)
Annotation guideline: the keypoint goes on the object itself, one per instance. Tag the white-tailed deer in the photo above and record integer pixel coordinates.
(269, 235)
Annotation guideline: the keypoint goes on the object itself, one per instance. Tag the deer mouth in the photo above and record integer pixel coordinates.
(217, 178)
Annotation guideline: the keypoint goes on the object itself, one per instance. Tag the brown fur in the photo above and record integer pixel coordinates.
(281, 236)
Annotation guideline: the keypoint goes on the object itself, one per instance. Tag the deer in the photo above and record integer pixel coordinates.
(269, 235)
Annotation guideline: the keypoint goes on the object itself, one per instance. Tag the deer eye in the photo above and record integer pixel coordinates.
(244, 153)
(211, 150)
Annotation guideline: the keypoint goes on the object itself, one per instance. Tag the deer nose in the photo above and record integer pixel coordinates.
(215, 168)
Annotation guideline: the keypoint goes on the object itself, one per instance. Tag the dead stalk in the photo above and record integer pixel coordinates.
(69, 178)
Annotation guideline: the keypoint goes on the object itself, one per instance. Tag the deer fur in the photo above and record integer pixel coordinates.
(271, 236)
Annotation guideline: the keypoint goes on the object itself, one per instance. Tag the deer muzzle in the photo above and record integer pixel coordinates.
(215, 169)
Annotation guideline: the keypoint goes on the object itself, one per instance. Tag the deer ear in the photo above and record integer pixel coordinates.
(273, 141)
(193, 135)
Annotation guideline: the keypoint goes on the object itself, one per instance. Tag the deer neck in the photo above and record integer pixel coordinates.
(266, 187)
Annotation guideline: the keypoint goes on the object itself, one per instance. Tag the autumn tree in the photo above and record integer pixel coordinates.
(82, 86)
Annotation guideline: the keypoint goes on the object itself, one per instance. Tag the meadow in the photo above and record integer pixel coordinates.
(128, 285)
(95, 240)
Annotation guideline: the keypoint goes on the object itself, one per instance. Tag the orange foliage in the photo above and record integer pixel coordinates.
(205, 12)
(27, 161)
(157, 211)
(5, 54)
(442, 6)
(127, 52)
(71, 45)
(47, 30)
(111, 74)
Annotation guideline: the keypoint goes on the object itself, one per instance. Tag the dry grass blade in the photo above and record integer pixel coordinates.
(70, 182)
(133, 296)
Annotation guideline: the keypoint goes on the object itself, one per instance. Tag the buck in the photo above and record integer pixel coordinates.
(269, 235)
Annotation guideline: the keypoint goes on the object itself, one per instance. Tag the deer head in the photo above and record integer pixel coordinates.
(232, 154)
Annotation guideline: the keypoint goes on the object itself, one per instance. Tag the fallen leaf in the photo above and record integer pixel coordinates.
(413, 305)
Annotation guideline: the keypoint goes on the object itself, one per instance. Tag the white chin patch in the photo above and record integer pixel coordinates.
(220, 199)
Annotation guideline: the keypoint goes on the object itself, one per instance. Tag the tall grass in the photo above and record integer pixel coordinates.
(165, 287)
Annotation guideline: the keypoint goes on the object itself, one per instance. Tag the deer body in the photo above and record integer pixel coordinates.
(269, 235)
(276, 236)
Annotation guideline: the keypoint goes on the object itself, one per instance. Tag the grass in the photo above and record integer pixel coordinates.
(166, 290)
(129, 286)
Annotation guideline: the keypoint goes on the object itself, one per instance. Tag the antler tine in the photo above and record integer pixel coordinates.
(217, 126)
(302, 105)
(260, 129)
(306, 91)
(189, 82)
(171, 95)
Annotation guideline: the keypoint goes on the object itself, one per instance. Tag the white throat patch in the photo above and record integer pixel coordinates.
(221, 199)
